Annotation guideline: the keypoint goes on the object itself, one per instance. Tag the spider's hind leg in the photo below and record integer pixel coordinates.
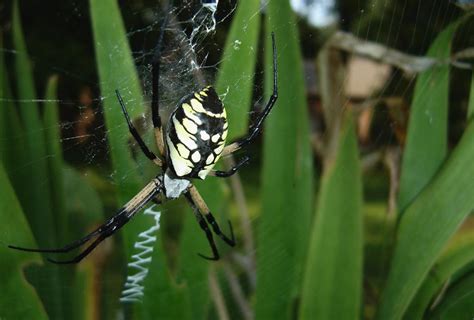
(200, 208)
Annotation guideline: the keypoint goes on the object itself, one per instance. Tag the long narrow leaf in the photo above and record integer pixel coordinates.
(34, 193)
(470, 109)
(32, 182)
(236, 72)
(193, 270)
(287, 173)
(3, 112)
(427, 138)
(12, 142)
(455, 258)
(427, 226)
(458, 302)
(19, 300)
(117, 71)
(55, 159)
(84, 211)
(58, 195)
(335, 252)
(163, 299)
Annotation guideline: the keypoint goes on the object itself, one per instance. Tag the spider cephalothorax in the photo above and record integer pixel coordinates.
(193, 142)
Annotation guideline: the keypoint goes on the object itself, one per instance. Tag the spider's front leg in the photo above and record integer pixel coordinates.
(149, 192)
(155, 99)
(201, 210)
(256, 127)
(148, 153)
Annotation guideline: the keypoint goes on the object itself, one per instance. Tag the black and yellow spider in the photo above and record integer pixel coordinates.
(193, 142)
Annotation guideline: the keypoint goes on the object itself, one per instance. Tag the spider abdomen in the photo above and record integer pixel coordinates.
(196, 134)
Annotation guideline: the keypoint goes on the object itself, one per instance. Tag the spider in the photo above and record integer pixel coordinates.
(189, 147)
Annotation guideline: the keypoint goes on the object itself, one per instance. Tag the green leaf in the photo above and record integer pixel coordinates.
(163, 298)
(427, 138)
(16, 291)
(84, 212)
(193, 270)
(117, 71)
(236, 73)
(428, 224)
(84, 294)
(458, 302)
(32, 184)
(470, 108)
(456, 257)
(3, 111)
(55, 165)
(284, 224)
(84, 207)
(335, 252)
(55, 158)
(36, 201)
(11, 145)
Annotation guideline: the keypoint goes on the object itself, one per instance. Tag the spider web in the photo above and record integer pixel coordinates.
(191, 56)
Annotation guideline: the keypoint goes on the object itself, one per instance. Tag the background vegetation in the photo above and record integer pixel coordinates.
(336, 218)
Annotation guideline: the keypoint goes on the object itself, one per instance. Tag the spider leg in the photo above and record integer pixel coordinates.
(231, 171)
(66, 248)
(197, 202)
(108, 228)
(210, 239)
(76, 244)
(148, 153)
(155, 99)
(203, 224)
(257, 125)
(83, 254)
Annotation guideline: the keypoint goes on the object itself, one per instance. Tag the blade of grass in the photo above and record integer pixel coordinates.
(55, 159)
(3, 111)
(193, 270)
(117, 71)
(33, 186)
(458, 302)
(427, 138)
(12, 141)
(84, 213)
(235, 79)
(16, 291)
(455, 258)
(34, 195)
(335, 252)
(236, 73)
(163, 299)
(55, 164)
(470, 107)
(428, 224)
(287, 173)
